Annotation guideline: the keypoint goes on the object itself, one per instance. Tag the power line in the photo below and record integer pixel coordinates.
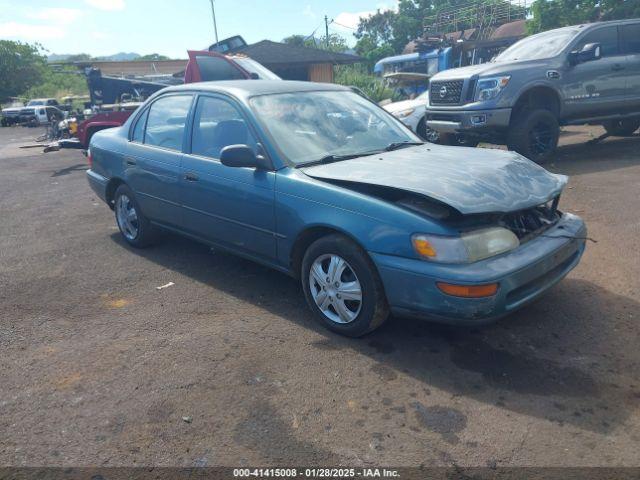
(345, 26)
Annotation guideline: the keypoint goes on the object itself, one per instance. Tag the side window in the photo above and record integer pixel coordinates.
(630, 38)
(217, 124)
(167, 118)
(607, 37)
(138, 130)
(216, 68)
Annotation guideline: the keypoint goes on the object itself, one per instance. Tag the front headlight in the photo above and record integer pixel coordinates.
(490, 88)
(404, 113)
(467, 248)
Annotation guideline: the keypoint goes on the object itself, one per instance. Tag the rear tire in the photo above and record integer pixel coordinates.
(622, 128)
(136, 229)
(534, 134)
(350, 300)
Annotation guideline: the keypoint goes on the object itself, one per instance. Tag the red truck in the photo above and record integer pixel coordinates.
(203, 66)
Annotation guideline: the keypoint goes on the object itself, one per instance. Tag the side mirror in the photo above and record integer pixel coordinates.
(242, 156)
(590, 52)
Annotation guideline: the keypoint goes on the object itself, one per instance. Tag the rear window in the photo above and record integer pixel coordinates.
(216, 68)
(630, 35)
(166, 121)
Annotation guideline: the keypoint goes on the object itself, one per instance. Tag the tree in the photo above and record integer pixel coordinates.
(396, 29)
(549, 14)
(21, 67)
(153, 57)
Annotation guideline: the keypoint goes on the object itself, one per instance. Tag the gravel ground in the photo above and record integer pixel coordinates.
(99, 368)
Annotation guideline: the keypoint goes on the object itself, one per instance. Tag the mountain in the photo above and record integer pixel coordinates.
(120, 57)
(116, 57)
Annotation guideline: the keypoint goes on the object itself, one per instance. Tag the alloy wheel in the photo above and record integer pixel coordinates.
(335, 288)
(127, 217)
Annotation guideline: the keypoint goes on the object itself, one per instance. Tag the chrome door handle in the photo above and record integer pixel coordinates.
(191, 177)
(131, 161)
(617, 67)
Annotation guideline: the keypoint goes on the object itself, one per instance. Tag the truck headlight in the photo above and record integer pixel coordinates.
(490, 88)
(467, 248)
(404, 113)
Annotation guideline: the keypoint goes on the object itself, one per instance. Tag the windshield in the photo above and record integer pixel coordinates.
(308, 126)
(542, 45)
(252, 66)
(35, 102)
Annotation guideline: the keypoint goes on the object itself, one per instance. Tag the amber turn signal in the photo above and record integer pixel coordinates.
(423, 247)
(468, 291)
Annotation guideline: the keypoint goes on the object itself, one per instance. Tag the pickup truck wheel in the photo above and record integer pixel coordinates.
(135, 228)
(458, 140)
(426, 133)
(534, 134)
(342, 287)
(622, 128)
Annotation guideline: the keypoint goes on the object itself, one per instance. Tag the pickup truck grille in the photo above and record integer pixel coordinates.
(444, 93)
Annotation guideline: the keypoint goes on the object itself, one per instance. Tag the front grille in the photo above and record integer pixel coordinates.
(528, 224)
(443, 93)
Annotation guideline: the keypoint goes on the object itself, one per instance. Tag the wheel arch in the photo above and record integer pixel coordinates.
(539, 96)
(306, 237)
(111, 188)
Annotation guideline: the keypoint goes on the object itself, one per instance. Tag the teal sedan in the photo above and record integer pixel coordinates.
(318, 182)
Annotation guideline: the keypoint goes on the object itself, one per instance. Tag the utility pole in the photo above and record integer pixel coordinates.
(326, 31)
(215, 27)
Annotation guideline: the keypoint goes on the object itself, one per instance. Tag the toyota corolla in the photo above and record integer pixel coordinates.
(320, 183)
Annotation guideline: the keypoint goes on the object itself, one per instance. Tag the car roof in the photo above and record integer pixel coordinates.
(250, 88)
(609, 22)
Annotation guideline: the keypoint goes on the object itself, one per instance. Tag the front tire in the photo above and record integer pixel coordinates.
(342, 287)
(534, 134)
(622, 128)
(135, 228)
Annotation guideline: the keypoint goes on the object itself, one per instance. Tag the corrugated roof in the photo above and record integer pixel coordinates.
(267, 52)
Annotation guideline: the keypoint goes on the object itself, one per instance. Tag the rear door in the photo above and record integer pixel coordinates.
(226, 205)
(597, 87)
(630, 45)
(154, 155)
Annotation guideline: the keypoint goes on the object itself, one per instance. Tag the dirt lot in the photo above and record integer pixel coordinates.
(98, 367)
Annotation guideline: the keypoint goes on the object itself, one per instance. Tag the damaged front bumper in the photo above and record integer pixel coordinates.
(523, 275)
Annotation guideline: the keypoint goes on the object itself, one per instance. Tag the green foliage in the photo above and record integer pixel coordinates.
(549, 14)
(359, 76)
(21, 66)
(153, 57)
(335, 42)
(79, 57)
(59, 83)
(396, 29)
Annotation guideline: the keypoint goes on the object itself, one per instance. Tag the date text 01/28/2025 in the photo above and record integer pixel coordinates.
(315, 473)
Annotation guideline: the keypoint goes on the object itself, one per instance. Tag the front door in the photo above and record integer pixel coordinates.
(153, 157)
(597, 87)
(230, 206)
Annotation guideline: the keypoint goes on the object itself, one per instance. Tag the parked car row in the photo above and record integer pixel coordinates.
(38, 111)
(584, 74)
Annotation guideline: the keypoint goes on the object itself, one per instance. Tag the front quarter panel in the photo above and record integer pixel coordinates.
(376, 225)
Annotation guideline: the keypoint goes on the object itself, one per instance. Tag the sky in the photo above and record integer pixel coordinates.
(170, 27)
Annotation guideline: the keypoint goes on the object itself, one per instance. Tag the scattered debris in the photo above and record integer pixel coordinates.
(170, 284)
(187, 419)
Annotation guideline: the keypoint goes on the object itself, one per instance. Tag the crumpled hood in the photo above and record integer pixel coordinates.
(471, 180)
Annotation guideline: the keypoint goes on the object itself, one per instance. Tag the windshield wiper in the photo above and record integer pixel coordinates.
(332, 157)
(397, 145)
